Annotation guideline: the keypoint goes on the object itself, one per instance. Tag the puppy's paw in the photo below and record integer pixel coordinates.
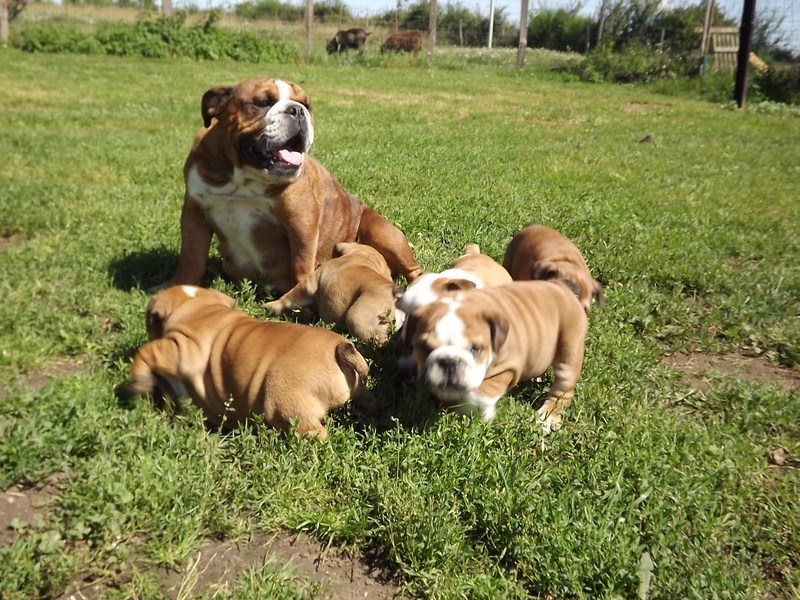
(274, 308)
(550, 423)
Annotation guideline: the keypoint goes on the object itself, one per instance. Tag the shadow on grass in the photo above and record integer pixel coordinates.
(150, 268)
(143, 270)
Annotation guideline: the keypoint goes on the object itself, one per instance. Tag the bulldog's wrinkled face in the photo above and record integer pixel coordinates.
(453, 347)
(268, 122)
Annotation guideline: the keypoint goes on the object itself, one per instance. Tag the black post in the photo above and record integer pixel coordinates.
(743, 57)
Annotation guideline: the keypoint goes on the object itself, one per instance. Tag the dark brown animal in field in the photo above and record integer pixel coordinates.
(348, 38)
(403, 41)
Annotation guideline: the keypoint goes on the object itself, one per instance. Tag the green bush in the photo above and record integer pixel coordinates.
(560, 29)
(51, 37)
(157, 38)
(634, 63)
(781, 83)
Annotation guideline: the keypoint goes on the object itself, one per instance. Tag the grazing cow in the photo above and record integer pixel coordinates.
(346, 39)
(403, 41)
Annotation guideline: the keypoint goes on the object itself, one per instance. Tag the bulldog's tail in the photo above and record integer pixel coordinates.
(355, 369)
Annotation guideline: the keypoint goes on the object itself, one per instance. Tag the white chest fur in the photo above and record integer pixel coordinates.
(234, 209)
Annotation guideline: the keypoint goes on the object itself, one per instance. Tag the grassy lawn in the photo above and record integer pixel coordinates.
(660, 484)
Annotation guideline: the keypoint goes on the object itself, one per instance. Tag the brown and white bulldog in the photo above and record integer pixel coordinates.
(473, 347)
(539, 252)
(276, 211)
(234, 366)
(470, 270)
(353, 290)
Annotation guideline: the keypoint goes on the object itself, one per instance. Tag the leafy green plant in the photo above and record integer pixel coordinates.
(157, 38)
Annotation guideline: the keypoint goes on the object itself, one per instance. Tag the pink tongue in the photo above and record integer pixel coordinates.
(293, 158)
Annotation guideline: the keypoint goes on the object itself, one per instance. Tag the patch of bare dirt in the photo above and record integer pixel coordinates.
(6, 241)
(217, 564)
(24, 506)
(41, 376)
(700, 369)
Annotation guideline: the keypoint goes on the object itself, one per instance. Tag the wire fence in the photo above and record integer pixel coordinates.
(780, 17)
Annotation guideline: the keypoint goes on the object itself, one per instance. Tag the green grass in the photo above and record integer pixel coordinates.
(696, 236)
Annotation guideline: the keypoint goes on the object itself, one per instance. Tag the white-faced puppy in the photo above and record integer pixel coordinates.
(473, 347)
(354, 290)
(234, 366)
(539, 252)
(276, 211)
(470, 270)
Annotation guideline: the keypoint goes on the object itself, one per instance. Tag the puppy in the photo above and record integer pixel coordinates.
(539, 252)
(354, 290)
(473, 347)
(234, 366)
(470, 270)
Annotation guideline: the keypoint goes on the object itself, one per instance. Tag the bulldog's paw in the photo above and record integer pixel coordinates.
(274, 308)
(550, 422)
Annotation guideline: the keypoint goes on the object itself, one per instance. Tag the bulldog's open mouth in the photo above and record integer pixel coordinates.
(288, 156)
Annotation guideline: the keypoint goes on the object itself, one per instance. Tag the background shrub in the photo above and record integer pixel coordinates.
(157, 38)
(781, 83)
(633, 63)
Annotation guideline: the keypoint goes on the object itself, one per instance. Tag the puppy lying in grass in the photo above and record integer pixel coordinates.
(354, 290)
(234, 366)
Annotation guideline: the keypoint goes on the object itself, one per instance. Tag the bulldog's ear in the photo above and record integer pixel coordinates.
(409, 328)
(213, 102)
(573, 287)
(453, 285)
(158, 309)
(598, 294)
(498, 328)
(544, 271)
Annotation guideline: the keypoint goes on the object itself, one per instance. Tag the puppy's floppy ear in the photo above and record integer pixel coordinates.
(498, 328)
(573, 287)
(213, 102)
(409, 327)
(453, 285)
(158, 310)
(544, 271)
(598, 294)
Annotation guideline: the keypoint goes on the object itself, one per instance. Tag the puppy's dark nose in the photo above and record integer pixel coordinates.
(294, 110)
(448, 367)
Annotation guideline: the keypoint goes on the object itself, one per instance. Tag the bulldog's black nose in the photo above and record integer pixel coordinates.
(294, 110)
(448, 367)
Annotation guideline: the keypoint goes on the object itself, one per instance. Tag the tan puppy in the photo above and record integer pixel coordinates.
(234, 366)
(470, 270)
(276, 211)
(473, 347)
(353, 290)
(539, 252)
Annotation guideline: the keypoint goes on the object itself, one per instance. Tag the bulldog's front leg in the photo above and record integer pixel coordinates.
(196, 236)
(302, 229)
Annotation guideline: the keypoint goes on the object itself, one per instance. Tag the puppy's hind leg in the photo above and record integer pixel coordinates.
(566, 370)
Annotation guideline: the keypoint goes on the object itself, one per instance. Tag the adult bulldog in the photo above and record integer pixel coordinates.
(276, 211)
